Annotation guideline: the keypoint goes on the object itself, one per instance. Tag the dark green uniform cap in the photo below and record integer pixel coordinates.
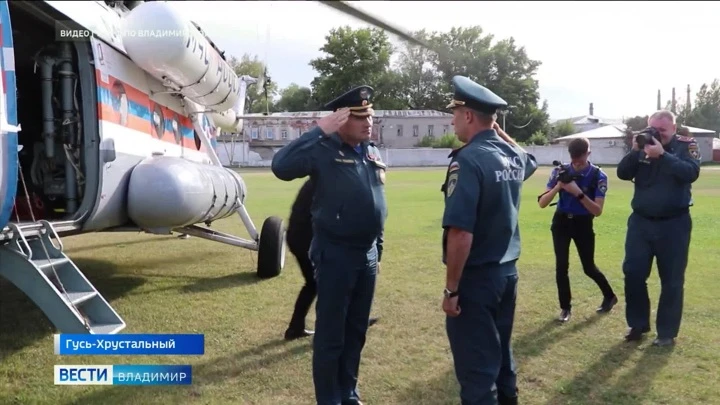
(357, 100)
(474, 96)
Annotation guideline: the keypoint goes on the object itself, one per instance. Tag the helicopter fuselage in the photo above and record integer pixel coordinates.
(90, 116)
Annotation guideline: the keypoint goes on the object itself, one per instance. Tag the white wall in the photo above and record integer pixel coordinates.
(602, 154)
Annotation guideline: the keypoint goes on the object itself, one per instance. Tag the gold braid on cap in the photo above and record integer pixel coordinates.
(362, 111)
(455, 103)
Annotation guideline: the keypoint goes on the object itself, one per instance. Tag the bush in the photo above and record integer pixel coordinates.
(446, 141)
(538, 138)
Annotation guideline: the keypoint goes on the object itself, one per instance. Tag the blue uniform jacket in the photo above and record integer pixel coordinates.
(482, 196)
(662, 186)
(349, 207)
(594, 184)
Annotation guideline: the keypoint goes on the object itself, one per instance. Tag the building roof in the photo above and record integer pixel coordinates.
(618, 131)
(378, 114)
(589, 119)
(605, 132)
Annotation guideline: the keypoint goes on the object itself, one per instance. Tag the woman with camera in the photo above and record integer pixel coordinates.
(582, 187)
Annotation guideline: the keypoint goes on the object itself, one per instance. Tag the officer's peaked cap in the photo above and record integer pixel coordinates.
(357, 100)
(474, 96)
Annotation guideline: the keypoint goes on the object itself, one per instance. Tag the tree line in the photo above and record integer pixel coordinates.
(419, 80)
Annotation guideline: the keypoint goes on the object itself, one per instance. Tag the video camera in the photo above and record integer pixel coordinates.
(564, 175)
(646, 136)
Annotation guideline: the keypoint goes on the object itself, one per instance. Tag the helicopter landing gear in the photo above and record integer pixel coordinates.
(271, 249)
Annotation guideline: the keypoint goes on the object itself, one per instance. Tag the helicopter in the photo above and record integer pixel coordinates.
(109, 118)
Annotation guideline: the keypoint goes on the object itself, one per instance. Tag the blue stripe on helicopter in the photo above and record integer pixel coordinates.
(142, 112)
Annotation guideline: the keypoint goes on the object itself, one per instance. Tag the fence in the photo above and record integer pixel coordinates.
(238, 154)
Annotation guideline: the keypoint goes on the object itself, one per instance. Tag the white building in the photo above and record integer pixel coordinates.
(607, 143)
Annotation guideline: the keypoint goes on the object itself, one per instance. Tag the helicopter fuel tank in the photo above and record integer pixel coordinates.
(172, 192)
(173, 50)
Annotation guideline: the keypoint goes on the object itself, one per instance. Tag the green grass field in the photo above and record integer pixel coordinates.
(167, 285)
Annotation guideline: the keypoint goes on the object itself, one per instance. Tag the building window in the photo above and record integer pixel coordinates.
(284, 134)
(431, 129)
(254, 133)
(269, 133)
(446, 129)
(416, 130)
(399, 130)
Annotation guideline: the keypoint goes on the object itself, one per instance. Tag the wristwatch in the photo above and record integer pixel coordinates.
(450, 294)
(581, 196)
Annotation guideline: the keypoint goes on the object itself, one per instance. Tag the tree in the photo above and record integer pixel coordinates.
(503, 67)
(706, 111)
(354, 58)
(419, 80)
(563, 128)
(255, 98)
(636, 123)
(296, 98)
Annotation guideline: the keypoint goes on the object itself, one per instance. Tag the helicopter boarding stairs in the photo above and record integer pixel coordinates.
(34, 261)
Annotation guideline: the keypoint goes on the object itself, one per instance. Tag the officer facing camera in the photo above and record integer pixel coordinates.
(582, 187)
(660, 225)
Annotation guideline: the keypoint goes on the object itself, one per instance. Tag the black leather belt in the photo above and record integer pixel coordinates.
(664, 217)
(571, 215)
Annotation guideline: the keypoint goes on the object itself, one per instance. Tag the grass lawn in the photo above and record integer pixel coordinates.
(167, 285)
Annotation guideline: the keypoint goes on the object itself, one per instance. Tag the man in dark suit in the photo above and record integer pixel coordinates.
(299, 236)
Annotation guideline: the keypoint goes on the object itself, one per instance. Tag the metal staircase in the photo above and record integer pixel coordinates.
(38, 267)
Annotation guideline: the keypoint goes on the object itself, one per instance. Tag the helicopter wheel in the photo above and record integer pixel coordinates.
(271, 250)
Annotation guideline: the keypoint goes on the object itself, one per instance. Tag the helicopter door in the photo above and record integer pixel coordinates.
(8, 119)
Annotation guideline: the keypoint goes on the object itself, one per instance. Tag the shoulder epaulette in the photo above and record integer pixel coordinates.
(683, 138)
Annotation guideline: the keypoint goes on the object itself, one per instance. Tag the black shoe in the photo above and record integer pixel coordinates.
(608, 304)
(505, 400)
(662, 342)
(372, 321)
(635, 334)
(564, 315)
(292, 334)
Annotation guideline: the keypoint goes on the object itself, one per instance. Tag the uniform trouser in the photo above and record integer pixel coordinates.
(480, 336)
(346, 286)
(668, 240)
(299, 246)
(579, 229)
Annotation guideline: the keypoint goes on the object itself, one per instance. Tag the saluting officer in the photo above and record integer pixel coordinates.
(581, 201)
(348, 216)
(299, 235)
(481, 244)
(659, 226)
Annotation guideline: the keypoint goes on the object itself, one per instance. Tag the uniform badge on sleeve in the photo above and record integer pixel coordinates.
(602, 186)
(694, 151)
(452, 182)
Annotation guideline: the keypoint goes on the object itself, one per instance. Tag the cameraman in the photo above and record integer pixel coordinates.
(663, 166)
(582, 187)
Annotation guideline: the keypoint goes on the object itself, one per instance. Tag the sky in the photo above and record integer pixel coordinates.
(615, 55)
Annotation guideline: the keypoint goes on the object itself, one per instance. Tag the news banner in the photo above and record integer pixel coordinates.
(126, 345)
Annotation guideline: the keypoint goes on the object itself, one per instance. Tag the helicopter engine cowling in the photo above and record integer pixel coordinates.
(172, 192)
(170, 48)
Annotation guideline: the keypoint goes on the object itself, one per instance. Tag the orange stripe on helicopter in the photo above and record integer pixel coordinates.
(138, 113)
